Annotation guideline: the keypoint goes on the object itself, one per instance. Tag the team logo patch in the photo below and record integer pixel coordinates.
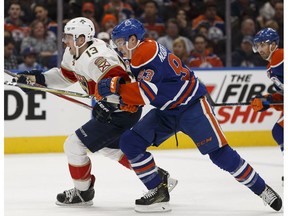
(83, 82)
(102, 64)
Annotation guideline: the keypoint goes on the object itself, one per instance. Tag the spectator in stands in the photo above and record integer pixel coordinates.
(243, 8)
(247, 28)
(153, 23)
(202, 57)
(271, 24)
(74, 9)
(39, 39)
(209, 17)
(104, 36)
(279, 18)
(172, 32)
(184, 24)
(179, 49)
(271, 15)
(41, 14)
(14, 24)
(215, 34)
(10, 60)
(245, 57)
(27, 15)
(29, 61)
(267, 9)
(191, 8)
(216, 41)
(138, 7)
(202, 29)
(7, 33)
(109, 21)
(88, 11)
(121, 9)
(266, 12)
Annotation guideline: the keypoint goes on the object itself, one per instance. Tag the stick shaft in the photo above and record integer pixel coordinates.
(10, 73)
(58, 95)
(235, 104)
(241, 104)
(45, 89)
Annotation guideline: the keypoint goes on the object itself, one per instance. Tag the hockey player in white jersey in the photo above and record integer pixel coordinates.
(87, 60)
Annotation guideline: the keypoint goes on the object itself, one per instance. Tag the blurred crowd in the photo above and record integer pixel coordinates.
(192, 29)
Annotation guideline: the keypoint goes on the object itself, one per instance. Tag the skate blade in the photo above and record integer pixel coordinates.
(157, 207)
(172, 184)
(82, 204)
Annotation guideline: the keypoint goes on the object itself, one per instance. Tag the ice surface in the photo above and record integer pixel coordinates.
(32, 182)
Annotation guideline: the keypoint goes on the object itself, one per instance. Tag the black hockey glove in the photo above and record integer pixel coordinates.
(102, 111)
(28, 77)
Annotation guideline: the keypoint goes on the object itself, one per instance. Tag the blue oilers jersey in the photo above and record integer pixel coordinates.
(164, 81)
(275, 70)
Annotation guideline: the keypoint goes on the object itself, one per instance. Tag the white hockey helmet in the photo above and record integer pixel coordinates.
(80, 26)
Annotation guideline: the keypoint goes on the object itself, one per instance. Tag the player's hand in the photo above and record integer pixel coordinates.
(102, 111)
(261, 102)
(30, 77)
(106, 87)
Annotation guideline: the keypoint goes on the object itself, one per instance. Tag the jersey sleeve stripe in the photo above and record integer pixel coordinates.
(115, 71)
(193, 93)
(69, 75)
(148, 90)
(184, 86)
(182, 95)
(185, 94)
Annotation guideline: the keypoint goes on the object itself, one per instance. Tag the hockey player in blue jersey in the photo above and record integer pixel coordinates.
(180, 105)
(266, 44)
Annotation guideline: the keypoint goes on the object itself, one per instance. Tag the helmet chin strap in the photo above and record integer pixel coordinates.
(77, 48)
(271, 52)
(131, 49)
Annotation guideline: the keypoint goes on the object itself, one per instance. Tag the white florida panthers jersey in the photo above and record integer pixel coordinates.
(98, 61)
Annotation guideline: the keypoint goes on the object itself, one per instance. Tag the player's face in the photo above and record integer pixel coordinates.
(263, 49)
(69, 42)
(121, 47)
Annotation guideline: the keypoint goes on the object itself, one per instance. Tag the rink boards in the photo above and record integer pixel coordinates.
(41, 122)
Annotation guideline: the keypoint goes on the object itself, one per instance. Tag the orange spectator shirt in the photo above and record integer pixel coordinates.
(211, 59)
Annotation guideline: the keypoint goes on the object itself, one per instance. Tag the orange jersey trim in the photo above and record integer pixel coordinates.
(281, 122)
(277, 57)
(130, 94)
(214, 122)
(188, 92)
(149, 93)
(202, 19)
(146, 52)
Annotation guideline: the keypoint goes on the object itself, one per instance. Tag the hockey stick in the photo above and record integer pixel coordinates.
(10, 73)
(59, 95)
(210, 100)
(45, 89)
